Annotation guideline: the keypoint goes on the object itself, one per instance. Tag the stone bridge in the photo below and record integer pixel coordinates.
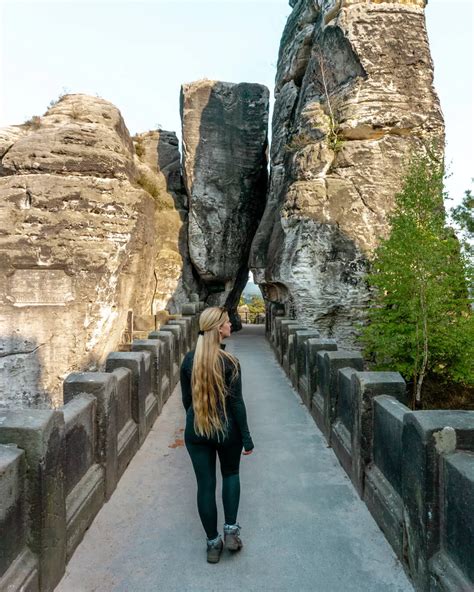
(106, 236)
(119, 439)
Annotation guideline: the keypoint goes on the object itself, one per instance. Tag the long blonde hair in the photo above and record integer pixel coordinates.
(208, 375)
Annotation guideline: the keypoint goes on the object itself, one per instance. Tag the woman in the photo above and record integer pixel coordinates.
(216, 423)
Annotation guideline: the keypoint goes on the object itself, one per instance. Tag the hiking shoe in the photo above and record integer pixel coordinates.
(214, 550)
(232, 539)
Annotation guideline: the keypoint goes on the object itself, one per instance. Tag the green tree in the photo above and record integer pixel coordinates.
(463, 217)
(420, 322)
(256, 305)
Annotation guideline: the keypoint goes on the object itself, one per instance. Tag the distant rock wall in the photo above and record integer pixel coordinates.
(225, 174)
(159, 165)
(354, 94)
(79, 245)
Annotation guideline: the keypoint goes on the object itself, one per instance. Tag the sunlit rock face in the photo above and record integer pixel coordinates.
(224, 130)
(159, 165)
(354, 94)
(77, 246)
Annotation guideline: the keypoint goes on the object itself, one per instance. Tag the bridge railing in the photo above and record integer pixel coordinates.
(252, 318)
(58, 467)
(414, 469)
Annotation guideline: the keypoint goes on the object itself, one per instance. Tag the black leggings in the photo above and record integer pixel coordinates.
(203, 456)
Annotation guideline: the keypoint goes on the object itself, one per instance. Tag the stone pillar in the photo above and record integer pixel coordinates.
(40, 433)
(18, 566)
(426, 436)
(299, 378)
(366, 386)
(313, 346)
(225, 175)
(453, 567)
(103, 387)
(156, 350)
(170, 367)
(329, 363)
(176, 330)
(136, 363)
(383, 477)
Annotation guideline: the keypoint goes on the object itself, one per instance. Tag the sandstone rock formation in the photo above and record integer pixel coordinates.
(159, 166)
(354, 94)
(225, 174)
(77, 245)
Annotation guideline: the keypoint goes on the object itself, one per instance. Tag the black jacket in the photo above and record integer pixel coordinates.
(235, 406)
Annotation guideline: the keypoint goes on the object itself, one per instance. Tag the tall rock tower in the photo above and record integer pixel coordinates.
(354, 95)
(225, 175)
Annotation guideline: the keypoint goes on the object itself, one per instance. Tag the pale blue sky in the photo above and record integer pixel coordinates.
(137, 54)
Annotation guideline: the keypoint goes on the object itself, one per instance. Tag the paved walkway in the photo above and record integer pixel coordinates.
(304, 528)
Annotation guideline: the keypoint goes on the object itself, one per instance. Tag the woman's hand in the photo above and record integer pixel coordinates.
(247, 452)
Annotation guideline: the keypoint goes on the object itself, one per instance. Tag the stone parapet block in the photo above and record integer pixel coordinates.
(383, 476)
(324, 401)
(313, 346)
(194, 317)
(103, 386)
(81, 438)
(40, 433)
(177, 331)
(366, 386)
(343, 424)
(155, 348)
(84, 476)
(290, 358)
(190, 308)
(299, 356)
(170, 372)
(127, 428)
(276, 333)
(427, 435)
(13, 523)
(23, 574)
(452, 568)
(287, 330)
(273, 310)
(136, 362)
(186, 335)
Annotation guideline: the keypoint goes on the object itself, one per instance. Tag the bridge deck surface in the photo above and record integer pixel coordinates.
(303, 526)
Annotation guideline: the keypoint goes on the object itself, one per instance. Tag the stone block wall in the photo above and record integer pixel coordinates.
(58, 467)
(413, 469)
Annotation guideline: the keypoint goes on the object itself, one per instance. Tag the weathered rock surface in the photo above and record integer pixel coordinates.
(77, 245)
(354, 95)
(224, 167)
(159, 165)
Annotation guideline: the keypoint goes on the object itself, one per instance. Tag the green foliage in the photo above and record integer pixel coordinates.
(256, 305)
(464, 214)
(421, 321)
(463, 217)
(334, 140)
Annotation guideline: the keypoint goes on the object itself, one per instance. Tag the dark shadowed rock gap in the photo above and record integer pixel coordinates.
(225, 175)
